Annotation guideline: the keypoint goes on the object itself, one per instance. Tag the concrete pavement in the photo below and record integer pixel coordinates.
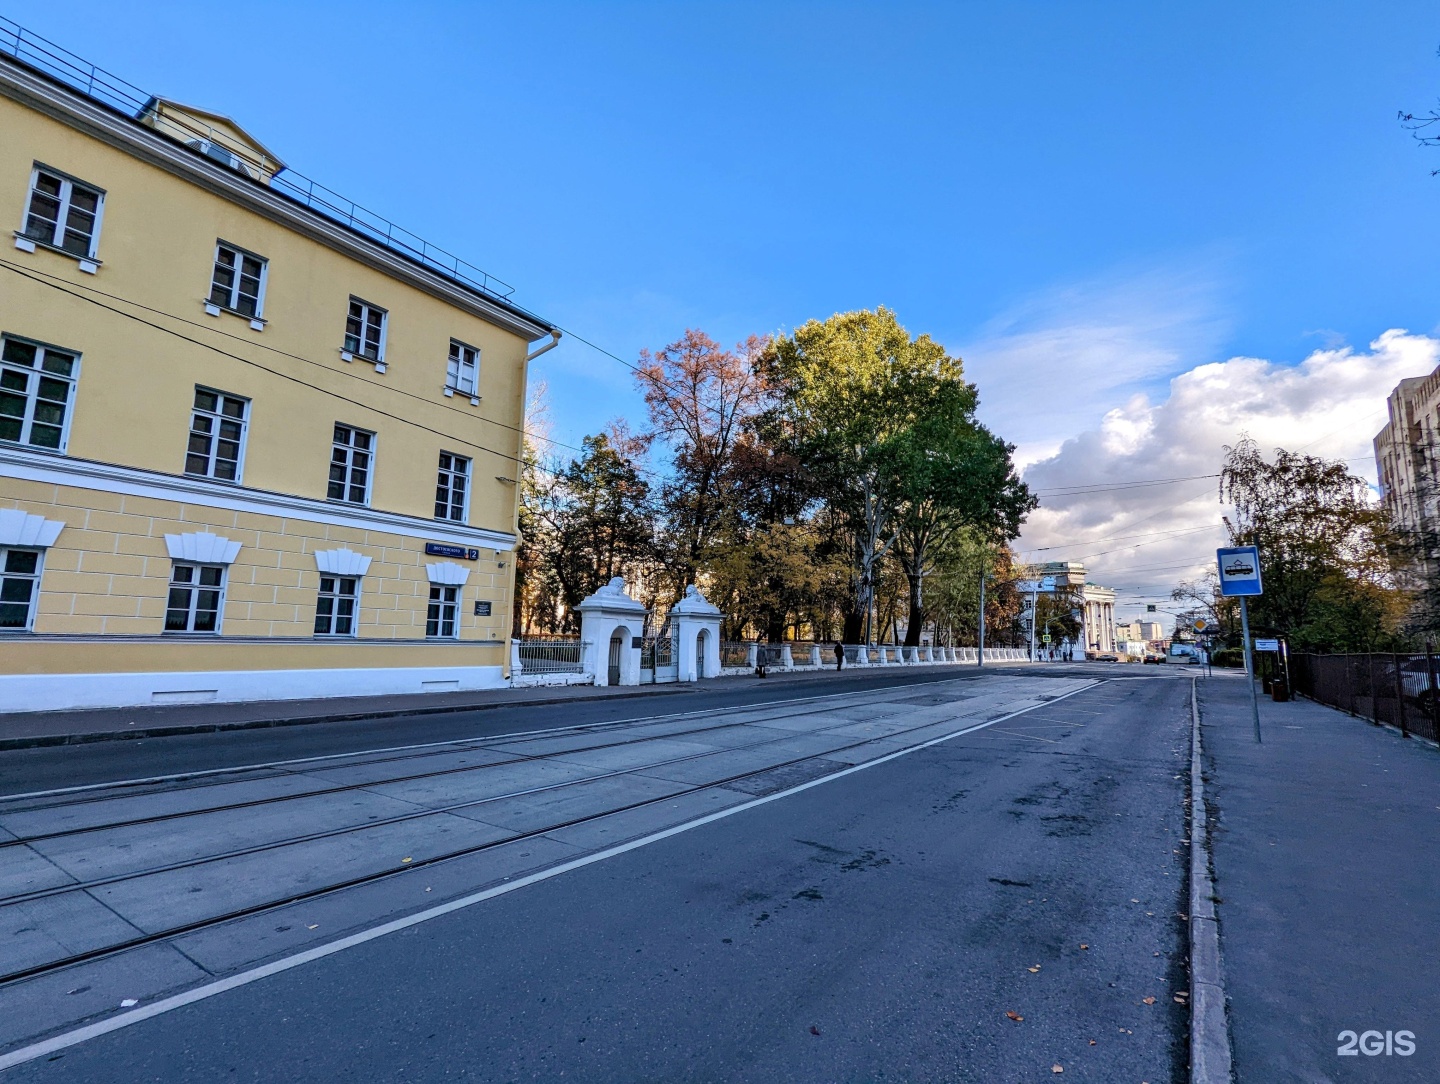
(1326, 845)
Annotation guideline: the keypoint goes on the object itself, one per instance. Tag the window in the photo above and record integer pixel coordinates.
(350, 465)
(19, 585)
(239, 282)
(452, 487)
(365, 330)
(63, 213)
(36, 383)
(217, 435)
(463, 374)
(196, 594)
(440, 620)
(335, 606)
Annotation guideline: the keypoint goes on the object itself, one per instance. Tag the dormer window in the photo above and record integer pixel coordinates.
(365, 331)
(63, 213)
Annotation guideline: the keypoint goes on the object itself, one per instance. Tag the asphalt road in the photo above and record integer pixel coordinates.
(878, 926)
(25, 770)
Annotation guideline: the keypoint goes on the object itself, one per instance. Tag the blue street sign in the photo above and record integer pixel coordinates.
(1239, 571)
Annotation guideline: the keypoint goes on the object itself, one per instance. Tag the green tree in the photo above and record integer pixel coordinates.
(1324, 549)
(868, 413)
(596, 522)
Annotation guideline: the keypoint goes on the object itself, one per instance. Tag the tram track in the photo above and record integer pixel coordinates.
(289, 898)
(448, 748)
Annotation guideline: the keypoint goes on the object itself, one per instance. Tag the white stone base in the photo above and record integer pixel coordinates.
(532, 681)
(68, 692)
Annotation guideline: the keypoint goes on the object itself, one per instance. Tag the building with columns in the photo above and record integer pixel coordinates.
(1097, 609)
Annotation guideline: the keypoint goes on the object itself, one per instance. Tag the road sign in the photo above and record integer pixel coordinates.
(1200, 624)
(1239, 571)
(1267, 645)
(1031, 587)
(1045, 639)
(1150, 607)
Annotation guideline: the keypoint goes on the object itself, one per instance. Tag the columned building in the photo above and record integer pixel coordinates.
(1096, 604)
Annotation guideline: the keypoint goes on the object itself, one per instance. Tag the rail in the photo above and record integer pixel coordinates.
(551, 656)
(1398, 690)
(110, 90)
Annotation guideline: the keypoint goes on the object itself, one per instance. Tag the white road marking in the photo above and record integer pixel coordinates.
(201, 993)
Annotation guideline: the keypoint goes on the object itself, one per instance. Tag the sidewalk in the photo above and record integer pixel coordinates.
(24, 730)
(1326, 850)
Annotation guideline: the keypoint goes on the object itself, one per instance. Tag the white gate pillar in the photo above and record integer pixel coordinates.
(606, 612)
(692, 616)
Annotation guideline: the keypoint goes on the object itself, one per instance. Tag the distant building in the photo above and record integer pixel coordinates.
(1097, 604)
(1405, 459)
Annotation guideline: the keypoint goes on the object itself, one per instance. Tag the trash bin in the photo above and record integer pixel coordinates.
(1279, 691)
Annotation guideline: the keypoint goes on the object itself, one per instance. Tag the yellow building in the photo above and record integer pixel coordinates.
(255, 442)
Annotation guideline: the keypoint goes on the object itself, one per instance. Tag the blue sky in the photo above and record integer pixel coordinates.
(1083, 200)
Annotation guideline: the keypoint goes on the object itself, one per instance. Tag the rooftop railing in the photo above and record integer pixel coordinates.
(110, 90)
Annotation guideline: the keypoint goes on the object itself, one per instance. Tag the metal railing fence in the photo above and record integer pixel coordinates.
(734, 653)
(1396, 689)
(110, 90)
(552, 656)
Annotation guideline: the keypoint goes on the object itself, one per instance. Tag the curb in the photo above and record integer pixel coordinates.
(39, 741)
(1210, 1061)
(43, 740)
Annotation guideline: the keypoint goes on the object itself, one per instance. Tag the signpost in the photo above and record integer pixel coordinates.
(1240, 578)
(1267, 645)
(1034, 587)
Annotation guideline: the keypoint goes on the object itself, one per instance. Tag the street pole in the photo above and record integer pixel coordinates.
(1250, 665)
(1034, 617)
(980, 648)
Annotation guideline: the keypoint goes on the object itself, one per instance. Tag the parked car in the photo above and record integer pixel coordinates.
(1107, 658)
(1156, 659)
(1415, 678)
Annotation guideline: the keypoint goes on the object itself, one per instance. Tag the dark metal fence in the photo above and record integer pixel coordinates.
(1398, 690)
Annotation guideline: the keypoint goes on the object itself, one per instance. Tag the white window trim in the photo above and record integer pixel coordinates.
(220, 603)
(201, 548)
(34, 605)
(244, 436)
(459, 611)
(25, 530)
(259, 317)
(379, 360)
(454, 388)
(341, 562)
(73, 378)
(469, 486)
(447, 574)
(354, 617)
(369, 473)
(67, 186)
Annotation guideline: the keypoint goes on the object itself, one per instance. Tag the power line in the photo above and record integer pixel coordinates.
(55, 279)
(273, 372)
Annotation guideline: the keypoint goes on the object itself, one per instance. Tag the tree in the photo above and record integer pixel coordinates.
(1324, 549)
(596, 521)
(1202, 599)
(954, 475)
(700, 400)
(864, 409)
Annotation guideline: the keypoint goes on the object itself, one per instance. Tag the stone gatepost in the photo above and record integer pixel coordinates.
(815, 656)
(610, 623)
(697, 632)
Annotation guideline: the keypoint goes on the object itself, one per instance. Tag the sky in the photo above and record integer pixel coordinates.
(1146, 228)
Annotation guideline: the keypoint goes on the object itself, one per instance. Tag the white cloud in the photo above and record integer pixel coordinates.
(1331, 404)
(1074, 352)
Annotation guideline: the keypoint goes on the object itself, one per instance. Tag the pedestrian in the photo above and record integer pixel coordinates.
(759, 657)
(839, 656)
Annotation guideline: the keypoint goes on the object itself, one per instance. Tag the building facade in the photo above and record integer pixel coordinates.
(1096, 605)
(1405, 461)
(252, 445)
